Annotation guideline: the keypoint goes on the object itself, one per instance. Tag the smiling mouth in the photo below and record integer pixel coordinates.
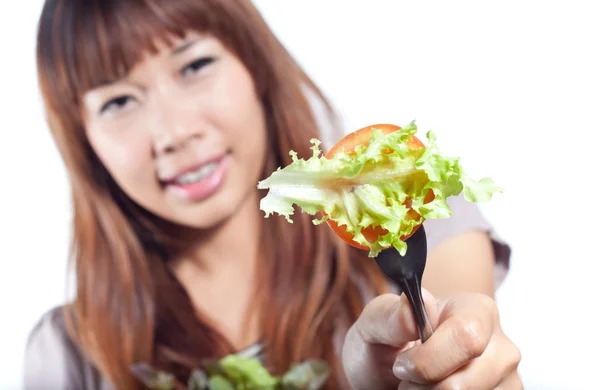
(199, 182)
(196, 175)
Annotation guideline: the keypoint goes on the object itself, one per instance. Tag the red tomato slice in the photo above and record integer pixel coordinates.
(348, 143)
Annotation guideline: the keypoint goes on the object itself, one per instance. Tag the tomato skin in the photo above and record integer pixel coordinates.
(348, 143)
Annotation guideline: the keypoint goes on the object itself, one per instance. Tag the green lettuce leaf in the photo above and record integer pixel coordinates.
(369, 186)
(247, 373)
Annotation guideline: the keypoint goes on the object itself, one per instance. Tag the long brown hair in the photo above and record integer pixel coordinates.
(128, 307)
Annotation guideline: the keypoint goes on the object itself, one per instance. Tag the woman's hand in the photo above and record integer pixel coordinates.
(468, 349)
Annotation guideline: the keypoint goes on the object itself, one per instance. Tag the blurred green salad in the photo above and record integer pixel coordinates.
(238, 373)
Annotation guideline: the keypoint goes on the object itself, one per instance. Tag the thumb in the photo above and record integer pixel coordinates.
(388, 319)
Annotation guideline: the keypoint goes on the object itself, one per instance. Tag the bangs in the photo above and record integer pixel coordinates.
(86, 43)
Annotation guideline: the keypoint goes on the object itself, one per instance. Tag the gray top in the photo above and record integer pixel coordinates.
(53, 362)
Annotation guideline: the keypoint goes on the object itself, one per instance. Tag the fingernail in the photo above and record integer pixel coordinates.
(402, 368)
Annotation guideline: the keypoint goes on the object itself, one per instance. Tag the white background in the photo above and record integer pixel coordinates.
(511, 87)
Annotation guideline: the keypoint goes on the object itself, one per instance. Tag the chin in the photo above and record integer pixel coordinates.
(206, 218)
(208, 214)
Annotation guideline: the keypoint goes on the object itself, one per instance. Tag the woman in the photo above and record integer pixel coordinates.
(167, 114)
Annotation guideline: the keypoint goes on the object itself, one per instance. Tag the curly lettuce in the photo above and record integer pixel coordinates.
(374, 185)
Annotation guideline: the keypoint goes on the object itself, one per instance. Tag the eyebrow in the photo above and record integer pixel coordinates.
(184, 46)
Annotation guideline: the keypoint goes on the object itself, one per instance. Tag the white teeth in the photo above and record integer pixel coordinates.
(197, 175)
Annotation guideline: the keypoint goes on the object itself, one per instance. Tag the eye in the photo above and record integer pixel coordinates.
(197, 65)
(116, 104)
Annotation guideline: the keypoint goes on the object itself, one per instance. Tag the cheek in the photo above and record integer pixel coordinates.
(128, 162)
(246, 125)
(250, 139)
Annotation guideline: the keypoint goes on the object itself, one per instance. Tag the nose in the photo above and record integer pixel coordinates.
(175, 125)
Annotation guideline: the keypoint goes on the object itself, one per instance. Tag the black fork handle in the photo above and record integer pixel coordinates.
(411, 286)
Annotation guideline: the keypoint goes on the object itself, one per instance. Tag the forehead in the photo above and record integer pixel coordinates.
(99, 45)
(120, 62)
(171, 45)
(166, 49)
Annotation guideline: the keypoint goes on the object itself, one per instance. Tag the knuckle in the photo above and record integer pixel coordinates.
(490, 304)
(511, 354)
(514, 357)
(470, 336)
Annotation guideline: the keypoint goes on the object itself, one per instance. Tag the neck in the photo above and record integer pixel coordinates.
(219, 273)
(236, 242)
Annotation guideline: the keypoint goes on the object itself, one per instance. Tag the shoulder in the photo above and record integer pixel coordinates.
(50, 327)
(52, 360)
(467, 217)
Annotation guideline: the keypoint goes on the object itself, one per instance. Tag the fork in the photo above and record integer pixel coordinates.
(407, 273)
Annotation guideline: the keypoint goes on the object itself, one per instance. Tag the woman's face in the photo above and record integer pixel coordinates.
(183, 134)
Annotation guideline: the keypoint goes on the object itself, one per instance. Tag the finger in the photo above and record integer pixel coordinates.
(499, 361)
(466, 325)
(512, 382)
(407, 385)
(384, 328)
(388, 319)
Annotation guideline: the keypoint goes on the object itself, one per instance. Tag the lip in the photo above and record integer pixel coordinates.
(206, 187)
(171, 179)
